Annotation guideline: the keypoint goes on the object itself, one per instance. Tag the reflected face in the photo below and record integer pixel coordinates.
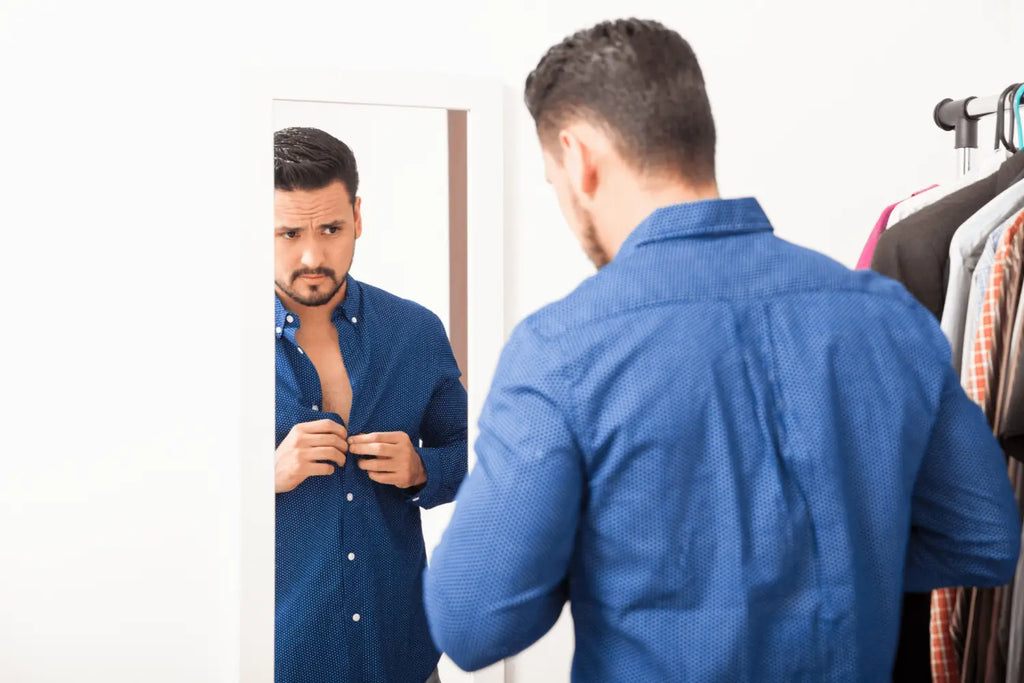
(580, 220)
(315, 234)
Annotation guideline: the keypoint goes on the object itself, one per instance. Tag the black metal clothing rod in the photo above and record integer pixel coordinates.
(962, 116)
(948, 112)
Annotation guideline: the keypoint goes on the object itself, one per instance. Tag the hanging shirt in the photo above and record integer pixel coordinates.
(350, 551)
(1011, 426)
(914, 204)
(1015, 637)
(979, 284)
(1007, 419)
(864, 262)
(730, 454)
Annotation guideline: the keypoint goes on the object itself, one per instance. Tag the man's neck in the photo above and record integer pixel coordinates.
(644, 201)
(314, 316)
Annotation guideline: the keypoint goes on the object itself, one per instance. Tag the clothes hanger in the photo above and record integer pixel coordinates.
(1001, 140)
(1016, 115)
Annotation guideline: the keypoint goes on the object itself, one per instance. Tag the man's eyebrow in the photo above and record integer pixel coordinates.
(333, 224)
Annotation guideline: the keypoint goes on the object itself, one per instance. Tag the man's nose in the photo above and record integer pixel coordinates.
(311, 257)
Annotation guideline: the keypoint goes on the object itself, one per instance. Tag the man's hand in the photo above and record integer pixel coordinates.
(393, 459)
(310, 449)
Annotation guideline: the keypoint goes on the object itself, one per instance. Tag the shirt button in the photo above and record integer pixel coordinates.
(415, 499)
(349, 497)
(351, 556)
(289, 318)
(277, 330)
(355, 320)
(300, 349)
(316, 408)
(355, 617)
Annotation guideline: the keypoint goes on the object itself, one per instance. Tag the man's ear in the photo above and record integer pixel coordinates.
(357, 214)
(578, 160)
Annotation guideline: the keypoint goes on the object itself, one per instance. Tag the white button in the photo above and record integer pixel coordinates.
(415, 499)
(351, 556)
(289, 318)
(355, 617)
(277, 329)
(300, 349)
(355, 320)
(349, 496)
(316, 408)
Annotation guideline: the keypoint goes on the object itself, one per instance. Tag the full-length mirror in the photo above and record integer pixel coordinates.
(385, 260)
(371, 409)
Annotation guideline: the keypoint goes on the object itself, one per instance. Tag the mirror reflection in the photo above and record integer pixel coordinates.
(370, 398)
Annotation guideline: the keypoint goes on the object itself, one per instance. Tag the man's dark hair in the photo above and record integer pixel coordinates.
(638, 80)
(310, 159)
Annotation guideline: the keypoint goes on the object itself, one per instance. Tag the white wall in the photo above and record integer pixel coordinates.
(119, 215)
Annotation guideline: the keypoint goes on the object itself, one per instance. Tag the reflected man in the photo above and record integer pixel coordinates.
(371, 427)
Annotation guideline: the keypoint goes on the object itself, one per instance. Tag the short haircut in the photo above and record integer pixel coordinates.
(310, 159)
(640, 82)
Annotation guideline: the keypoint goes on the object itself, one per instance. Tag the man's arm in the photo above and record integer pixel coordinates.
(443, 429)
(497, 581)
(965, 528)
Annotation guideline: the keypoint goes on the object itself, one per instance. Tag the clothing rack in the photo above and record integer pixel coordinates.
(978, 616)
(962, 116)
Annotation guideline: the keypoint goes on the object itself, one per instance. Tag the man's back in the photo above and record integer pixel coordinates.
(711, 449)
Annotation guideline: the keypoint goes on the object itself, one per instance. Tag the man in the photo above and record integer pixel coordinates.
(371, 427)
(730, 454)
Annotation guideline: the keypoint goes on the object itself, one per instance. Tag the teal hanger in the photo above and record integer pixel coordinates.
(1016, 114)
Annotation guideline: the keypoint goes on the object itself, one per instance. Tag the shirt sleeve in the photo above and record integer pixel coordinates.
(498, 580)
(443, 430)
(965, 527)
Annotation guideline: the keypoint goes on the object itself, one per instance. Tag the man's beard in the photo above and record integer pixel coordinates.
(317, 296)
(588, 236)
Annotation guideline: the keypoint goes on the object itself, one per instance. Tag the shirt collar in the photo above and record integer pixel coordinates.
(350, 307)
(710, 217)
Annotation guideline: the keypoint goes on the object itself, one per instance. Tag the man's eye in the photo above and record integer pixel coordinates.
(331, 230)
(289, 235)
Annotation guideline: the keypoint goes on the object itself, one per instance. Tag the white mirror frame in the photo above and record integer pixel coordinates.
(481, 98)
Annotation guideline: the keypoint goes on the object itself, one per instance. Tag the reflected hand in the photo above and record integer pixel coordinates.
(310, 449)
(393, 459)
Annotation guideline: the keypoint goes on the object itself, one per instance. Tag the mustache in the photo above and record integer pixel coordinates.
(327, 272)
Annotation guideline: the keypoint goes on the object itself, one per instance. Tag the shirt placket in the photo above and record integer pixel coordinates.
(350, 534)
(356, 565)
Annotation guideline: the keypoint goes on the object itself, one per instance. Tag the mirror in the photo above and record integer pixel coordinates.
(371, 369)
(427, 319)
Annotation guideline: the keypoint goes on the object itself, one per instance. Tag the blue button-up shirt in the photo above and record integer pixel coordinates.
(731, 455)
(347, 545)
